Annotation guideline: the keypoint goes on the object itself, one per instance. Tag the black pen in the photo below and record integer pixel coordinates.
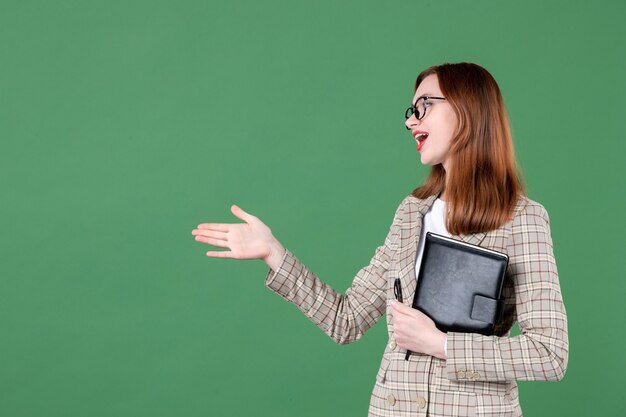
(397, 291)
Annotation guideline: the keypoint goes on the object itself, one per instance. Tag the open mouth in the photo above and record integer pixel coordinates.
(421, 139)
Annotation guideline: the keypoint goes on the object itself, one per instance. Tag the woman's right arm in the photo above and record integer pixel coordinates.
(343, 317)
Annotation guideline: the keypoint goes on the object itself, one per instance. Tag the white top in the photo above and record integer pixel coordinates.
(434, 221)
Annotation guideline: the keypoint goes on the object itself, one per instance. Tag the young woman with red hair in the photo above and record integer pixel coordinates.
(474, 194)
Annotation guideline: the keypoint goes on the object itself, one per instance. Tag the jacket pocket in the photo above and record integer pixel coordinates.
(452, 404)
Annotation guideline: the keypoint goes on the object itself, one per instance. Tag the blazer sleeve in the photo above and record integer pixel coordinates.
(343, 317)
(540, 352)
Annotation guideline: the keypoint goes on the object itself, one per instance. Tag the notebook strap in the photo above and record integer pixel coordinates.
(486, 309)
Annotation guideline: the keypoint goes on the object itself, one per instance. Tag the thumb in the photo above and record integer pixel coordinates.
(238, 211)
(400, 308)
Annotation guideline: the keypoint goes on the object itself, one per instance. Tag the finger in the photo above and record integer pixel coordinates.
(224, 254)
(239, 212)
(219, 227)
(213, 242)
(204, 239)
(209, 233)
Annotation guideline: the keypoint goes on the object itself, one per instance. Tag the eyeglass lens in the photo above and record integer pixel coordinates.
(419, 109)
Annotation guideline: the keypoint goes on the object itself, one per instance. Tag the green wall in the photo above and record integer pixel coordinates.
(124, 124)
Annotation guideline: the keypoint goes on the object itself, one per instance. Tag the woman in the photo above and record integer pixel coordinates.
(474, 194)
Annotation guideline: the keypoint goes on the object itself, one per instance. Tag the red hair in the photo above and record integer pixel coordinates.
(483, 185)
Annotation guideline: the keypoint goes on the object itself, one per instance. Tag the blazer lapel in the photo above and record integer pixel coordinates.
(410, 234)
(472, 238)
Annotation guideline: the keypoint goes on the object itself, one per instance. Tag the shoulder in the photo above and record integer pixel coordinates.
(410, 199)
(401, 209)
(410, 205)
(529, 211)
(406, 203)
(406, 208)
(530, 228)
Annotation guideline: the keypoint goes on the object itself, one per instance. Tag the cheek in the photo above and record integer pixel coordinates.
(448, 140)
(447, 133)
(443, 140)
(451, 126)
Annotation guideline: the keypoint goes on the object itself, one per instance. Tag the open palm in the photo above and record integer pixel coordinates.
(249, 240)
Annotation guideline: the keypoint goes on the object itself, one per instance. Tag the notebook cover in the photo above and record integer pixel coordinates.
(459, 285)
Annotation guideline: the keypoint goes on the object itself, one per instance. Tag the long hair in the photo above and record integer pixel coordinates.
(483, 185)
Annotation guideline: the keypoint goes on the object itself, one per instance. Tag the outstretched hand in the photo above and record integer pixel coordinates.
(249, 240)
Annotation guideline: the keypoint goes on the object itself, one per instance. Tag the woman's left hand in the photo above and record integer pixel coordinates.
(415, 331)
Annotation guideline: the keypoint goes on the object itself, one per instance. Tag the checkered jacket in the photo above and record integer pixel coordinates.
(480, 373)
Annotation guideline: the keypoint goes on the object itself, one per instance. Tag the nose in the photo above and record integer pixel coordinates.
(411, 122)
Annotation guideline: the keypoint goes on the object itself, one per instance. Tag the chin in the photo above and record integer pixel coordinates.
(427, 161)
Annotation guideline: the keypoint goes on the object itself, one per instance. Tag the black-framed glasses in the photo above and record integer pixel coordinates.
(420, 106)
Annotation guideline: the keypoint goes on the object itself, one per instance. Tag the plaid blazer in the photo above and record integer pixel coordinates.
(480, 372)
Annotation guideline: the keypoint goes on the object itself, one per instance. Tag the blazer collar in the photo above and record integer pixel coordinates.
(421, 207)
(410, 232)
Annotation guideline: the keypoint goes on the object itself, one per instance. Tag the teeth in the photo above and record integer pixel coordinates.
(421, 136)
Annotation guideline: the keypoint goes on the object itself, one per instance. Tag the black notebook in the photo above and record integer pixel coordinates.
(459, 285)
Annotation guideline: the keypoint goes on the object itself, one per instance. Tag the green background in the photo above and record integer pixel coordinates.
(124, 124)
